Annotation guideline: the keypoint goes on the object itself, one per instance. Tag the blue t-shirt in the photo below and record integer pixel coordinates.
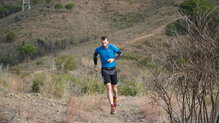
(106, 54)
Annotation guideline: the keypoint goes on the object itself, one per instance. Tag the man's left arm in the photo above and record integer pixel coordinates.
(116, 50)
(120, 54)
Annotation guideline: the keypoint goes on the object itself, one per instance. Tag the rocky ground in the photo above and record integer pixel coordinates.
(34, 108)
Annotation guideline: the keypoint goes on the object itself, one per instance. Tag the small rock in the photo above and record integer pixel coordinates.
(128, 120)
(142, 120)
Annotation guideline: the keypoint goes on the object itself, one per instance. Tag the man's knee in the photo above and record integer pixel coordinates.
(114, 86)
(108, 86)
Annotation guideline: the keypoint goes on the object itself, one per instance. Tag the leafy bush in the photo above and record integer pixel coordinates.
(131, 88)
(27, 49)
(11, 36)
(3, 12)
(6, 60)
(58, 6)
(69, 5)
(60, 85)
(8, 9)
(37, 82)
(86, 85)
(65, 63)
(48, 1)
(170, 29)
(34, 2)
(199, 12)
(176, 27)
(192, 8)
(13, 9)
(18, 18)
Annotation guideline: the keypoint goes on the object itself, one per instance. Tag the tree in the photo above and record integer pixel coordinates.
(28, 50)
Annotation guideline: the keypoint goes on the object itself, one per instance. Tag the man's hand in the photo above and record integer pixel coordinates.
(111, 60)
(96, 68)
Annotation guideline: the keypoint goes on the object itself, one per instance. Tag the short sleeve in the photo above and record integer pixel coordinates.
(115, 49)
(96, 51)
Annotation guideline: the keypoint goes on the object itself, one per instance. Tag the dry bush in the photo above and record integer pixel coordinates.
(9, 80)
(73, 107)
(78, 106)
(151, 111)
(191, 65)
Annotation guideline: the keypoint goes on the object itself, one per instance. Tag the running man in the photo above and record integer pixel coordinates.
(109, 72)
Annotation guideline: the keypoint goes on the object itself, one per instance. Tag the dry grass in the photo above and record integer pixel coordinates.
(72, 108)
(11, 81)
(76, 107)
(152, 112)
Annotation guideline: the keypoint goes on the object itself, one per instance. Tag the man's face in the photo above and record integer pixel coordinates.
(105, 43)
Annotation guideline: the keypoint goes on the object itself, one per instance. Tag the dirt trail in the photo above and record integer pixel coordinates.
(127, 111)
(153, 32)
(26, 108)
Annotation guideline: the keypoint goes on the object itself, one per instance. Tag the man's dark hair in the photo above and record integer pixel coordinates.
(103, 38)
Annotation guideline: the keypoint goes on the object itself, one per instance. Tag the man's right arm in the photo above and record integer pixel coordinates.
(95, 58)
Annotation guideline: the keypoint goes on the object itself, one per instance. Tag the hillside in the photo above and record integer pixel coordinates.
(87, 21)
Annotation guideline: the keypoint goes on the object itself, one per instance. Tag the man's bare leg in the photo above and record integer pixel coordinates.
(115, 94)
(110, 98)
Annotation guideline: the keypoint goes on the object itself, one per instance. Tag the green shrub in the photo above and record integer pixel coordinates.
(65, 62)
(58, 6)
(181, 61)
(91, 86)
(80, 85)
(192, 8)
(8, 9)
(176, 27)
(17, 70)
(144, 61)
(38, 81)
(6, 60)
(13, 9)
(48, 1)
(39, 63)
(128, 56)
(170, 29)
(3, 12)
(27, 49)
(131, 88)
(11, 36)
(59, 84)
(18, 18)
(69, 5)
(34, 2)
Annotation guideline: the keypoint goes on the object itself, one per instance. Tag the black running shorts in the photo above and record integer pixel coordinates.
(109, 75)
